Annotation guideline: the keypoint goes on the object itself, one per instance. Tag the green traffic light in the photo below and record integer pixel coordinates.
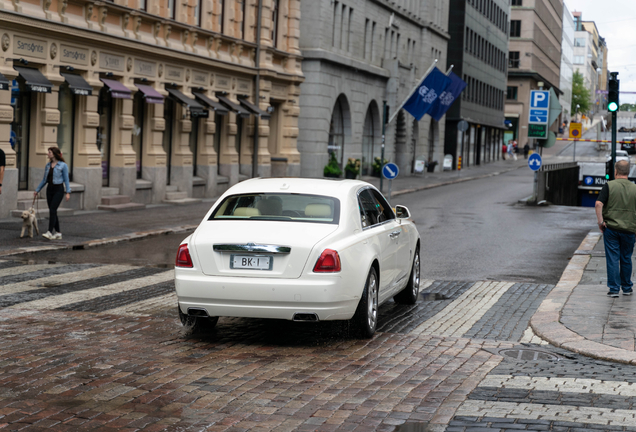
(612, 106)
(606, 176)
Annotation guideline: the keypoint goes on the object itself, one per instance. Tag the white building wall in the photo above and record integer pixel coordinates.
(567, 59)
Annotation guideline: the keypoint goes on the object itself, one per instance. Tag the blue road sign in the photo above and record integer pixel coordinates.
(539, 107)
(390, 171)
(589, 181)
(534, 161)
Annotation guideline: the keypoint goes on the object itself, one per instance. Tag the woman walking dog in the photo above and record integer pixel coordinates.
(55, 177)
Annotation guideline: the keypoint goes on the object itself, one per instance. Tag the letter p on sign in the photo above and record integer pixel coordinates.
(538, 97)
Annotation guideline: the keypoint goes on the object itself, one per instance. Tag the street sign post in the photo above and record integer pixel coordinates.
(539, 114)
(389, 172)
(535, 162)
(462, 126)
(575, 132)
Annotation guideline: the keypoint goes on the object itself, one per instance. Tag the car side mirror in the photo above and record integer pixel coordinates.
(402, 212)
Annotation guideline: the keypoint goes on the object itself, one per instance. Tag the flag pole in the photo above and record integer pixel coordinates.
(450, 69)
(412, 91)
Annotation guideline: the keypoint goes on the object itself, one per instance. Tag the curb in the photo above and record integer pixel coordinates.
(101, 242)
(143, 234)
(546, 322)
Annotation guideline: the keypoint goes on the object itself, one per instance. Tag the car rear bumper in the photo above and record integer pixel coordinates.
(327, 296)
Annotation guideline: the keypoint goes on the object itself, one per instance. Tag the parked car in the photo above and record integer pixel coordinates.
(300, 250)
(629, 144)
(620, 155)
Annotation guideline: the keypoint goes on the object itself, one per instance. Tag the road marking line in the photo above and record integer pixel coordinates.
(565, 413)
(147, 307)
(53, 302)
(14, 271)
(563, 385)
(66, 278)
(459, 317)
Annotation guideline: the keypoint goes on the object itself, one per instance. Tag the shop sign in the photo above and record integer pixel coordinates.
(145, 68)
(199, 77)
(81, 91)
(74, 55)
(174, 74)
(223, 82)
(29, 47)
(111, 61)
(39, 88)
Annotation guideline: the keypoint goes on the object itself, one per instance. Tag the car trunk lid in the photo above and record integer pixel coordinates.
(278, 249)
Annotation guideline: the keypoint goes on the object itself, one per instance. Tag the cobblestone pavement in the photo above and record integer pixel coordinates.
(110, 354)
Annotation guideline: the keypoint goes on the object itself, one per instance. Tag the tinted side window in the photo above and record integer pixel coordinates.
(369, 212)
(386, 212)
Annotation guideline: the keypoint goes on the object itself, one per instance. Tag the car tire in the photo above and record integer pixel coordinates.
(197, 324)
(365, 319)
(412, 289)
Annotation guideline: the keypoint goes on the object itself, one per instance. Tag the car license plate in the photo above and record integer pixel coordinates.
(251, 262)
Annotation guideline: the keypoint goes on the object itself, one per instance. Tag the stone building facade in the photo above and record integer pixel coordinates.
(148, 96)
(357, 55)
(478, 52)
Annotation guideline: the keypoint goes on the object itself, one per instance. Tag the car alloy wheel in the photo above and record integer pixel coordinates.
(412, 289)
(366, 316)
(415, 274)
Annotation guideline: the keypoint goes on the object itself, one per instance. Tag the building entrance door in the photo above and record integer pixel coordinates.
(21, 102)
(105, 110)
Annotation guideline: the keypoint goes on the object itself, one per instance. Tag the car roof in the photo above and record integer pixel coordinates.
(334, 188)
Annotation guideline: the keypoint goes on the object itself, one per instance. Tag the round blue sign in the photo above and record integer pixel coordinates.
(589, 181)
(534, 161)
(390, 171)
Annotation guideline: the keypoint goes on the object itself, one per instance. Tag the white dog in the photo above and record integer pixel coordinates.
(29, 221)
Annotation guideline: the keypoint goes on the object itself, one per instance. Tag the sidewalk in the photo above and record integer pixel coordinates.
(578, 316)
(91, 228)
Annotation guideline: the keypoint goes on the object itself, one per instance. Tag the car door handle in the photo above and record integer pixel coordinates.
(394, 234)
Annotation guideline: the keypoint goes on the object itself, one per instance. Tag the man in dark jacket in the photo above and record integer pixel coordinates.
(616, 216)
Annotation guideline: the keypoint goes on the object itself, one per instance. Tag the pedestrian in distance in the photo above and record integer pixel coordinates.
(526, 151)
(56, 179)
(511, 150)
(504, 150)
(616, 217)
(3, 163)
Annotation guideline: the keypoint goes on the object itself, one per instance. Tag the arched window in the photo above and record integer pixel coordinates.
(368, 144)
(336, 132)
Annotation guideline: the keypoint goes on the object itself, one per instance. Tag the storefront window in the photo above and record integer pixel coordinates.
(138, 129)
(168, 116)
(66, 128)
(21, 102)
(218, 119)
(104, 109)
(336, 133)
(368, 144)
(194, 139)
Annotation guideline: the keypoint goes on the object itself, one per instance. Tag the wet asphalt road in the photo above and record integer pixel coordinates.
(470, 231)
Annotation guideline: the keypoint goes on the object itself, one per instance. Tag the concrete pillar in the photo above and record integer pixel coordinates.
(87, 159)
(9, 196)
(123, 172)
(154, 157)
(228, 157)
(181, 160)
(207, 157)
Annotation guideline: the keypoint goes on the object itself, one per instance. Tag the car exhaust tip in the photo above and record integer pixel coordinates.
(197, 312)
(305, 317)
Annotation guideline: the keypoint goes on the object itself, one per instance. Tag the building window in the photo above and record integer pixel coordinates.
(138, 129)
(335, 18)
(336, 133)
(197, 13)
(275, 23)
(579, 42)
(515, 28)
(221, 16)
(142, 5)
(579, 59)
(513, 60)
(243, 7)
(511, 93)
(517, 2)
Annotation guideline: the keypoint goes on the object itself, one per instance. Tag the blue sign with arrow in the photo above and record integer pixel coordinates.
(534, 161)
(390, 171)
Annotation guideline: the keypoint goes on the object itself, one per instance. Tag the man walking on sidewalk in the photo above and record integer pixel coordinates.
(616, 216)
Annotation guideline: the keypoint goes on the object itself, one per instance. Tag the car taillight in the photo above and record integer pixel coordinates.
(183, 257)
(329, 261)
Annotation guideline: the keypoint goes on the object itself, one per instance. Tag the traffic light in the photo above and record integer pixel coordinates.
(612, 94)
(608, 170)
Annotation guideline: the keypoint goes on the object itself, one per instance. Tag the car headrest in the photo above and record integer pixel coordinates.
(270, 206)
(318, 210)
(246, 211)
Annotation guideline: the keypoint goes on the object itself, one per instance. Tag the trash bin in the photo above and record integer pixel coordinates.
(431, 166)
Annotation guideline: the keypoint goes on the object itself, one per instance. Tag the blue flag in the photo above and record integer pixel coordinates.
(427, 93)
(448, 96)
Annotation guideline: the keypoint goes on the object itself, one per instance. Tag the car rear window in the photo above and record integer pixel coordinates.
(279, 207)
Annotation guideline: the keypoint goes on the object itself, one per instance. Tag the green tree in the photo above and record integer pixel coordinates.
(628, 107)
(581, 95)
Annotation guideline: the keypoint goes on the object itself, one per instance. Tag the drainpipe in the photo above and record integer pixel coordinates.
(257, 89)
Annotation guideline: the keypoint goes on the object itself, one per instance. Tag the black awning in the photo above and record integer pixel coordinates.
(254, 109)
(35, 81)
(5, 84)
(78, 84)
(195, 108)
(217, 107)
(239, 110)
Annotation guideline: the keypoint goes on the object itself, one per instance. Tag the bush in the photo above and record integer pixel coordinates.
(353, 166)
(332, 169)
(377, 165)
